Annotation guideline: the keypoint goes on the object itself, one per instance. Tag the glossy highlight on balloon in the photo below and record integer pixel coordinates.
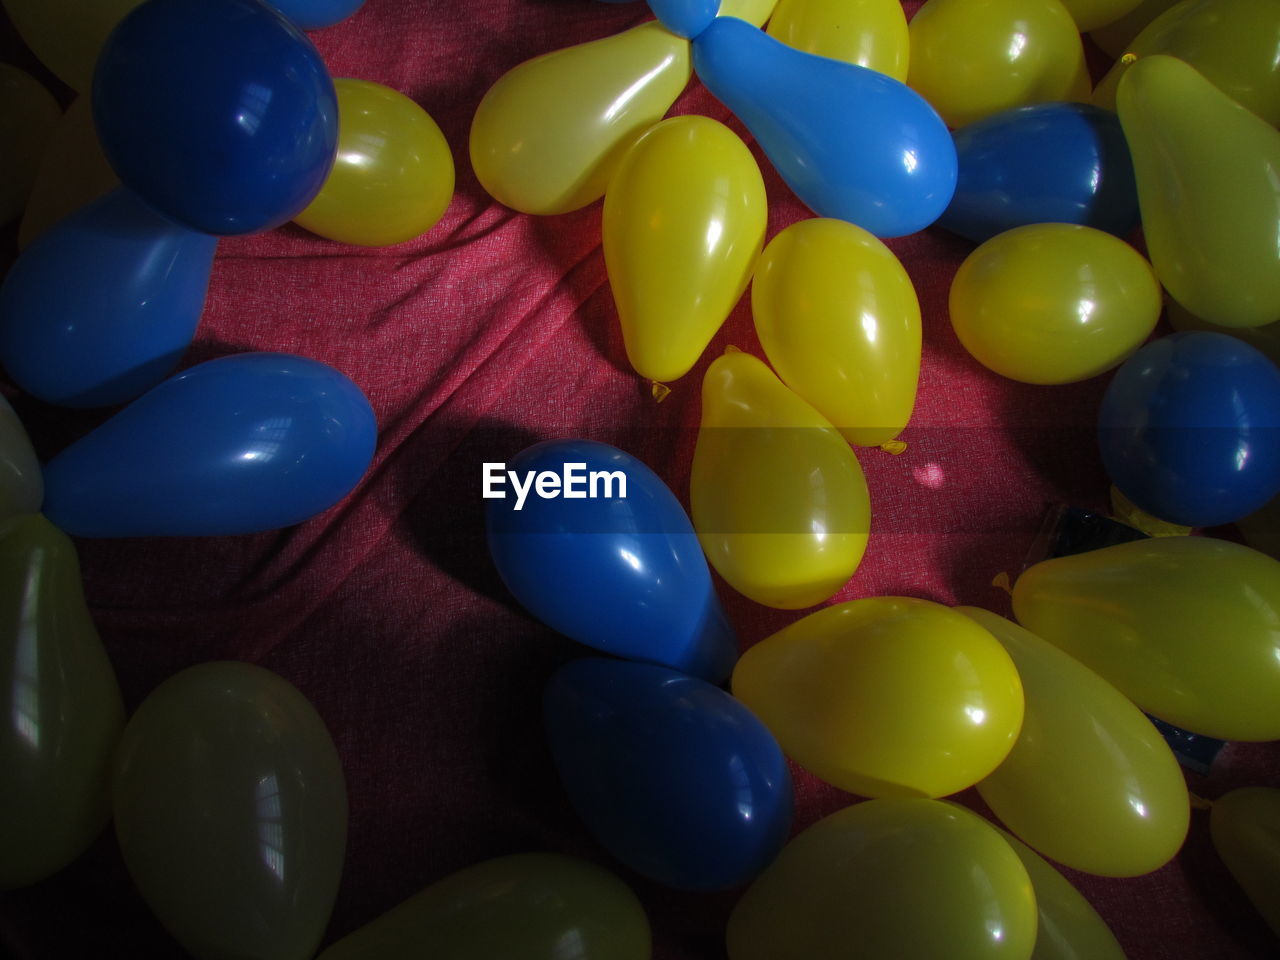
(550, 132)
(624, 575)
(101, 308)
(852, 143)
(240, 444)
(28, 117)
(218, 113)
(870, 33)
(674, 777)
(1245, 827)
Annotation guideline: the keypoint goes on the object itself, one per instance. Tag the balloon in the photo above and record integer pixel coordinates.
(1048, 163)
(1090, 782)
(1190, 429)
(1234, 44)
(62, 704)
(249, 442)
(1089, 14)
(1207, 171)
(101, 308)
(838, 319)
(777, 496)
(1261, 529)
(870, 33)
(755, 12)
(393, 177)
(316, 14)
(28, 116)
(21, 482)
(1053, 302)
(1265, 338)
(529, 905)
(231, 812)
(685, 18)
(684, 221)
(66, 35)
(74, 172)
(549, 134)
(620, 571)
(1245, 827)
(219, 113)
(900, 879)
(854, 694)
(1115, 37)
(852, 143)
(1150, 617)
(972, 60)
(673, 776)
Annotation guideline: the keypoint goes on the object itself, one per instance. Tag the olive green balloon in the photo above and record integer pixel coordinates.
(531, 906)
(231, 812)
(1245, 827)
(61, 702)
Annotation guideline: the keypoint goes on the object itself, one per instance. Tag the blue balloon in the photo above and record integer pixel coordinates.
(674, 777)
(685, 18)
(240, 444)
(218, 113)
(316, 14)
(1190, 429)
(852, 143)
(1048, 163)
(100, 308)
(625, 575)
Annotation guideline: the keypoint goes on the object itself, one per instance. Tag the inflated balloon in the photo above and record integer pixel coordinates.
(685, 18)
(249, 442)
(1150, 617)
(28, 116)
(1090, 782)
(393, 176)
(549, 134)
(1089, 14)
(315, 14)
(231, 812)
(778, 498)
(684, 221)
(1234, 44)
(755, 12)
(674, 777)
(101, 307)
(971, 60)
(614, 563)
(1261, 529)
(851, 142)
(66, 35)
(219, 113)
(1207, 171)
(870, 33)
(21, 482)
(1245, 827)
(1115, 37)
(901, 879)
(1048, 163)
(73, 173)
(1190, 429)
(1265, 338)
(854, 694)
(1053, 302)
(526, 905)
(839, 320)
(61, 702)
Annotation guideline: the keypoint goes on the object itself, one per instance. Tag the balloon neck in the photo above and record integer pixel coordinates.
(1001, 581)
(894, 447)
(1129, 58)
(1200, 803)
(731, 349)
(660, 391)
(1126, 511)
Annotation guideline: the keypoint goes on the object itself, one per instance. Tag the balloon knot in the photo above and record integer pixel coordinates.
(1001, 580)
(1200, 803)
(894, 447)
(1127, 512)
(1129, 58)
(731, 349)
(660, 390)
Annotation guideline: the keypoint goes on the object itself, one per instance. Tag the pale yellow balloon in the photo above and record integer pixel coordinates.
(549, 134)
(1114, 38)
(779, 501)
(1096, 13)
(753, 11)
(869, 33)
(67, 35)
(1208, 174)
(1090, 782)
(28, 116)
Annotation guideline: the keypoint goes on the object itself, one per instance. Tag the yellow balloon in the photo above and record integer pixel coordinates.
(779, 501)
(1207, 172)
(857, 694)
(392, 179)
(549, 134)
(839, 320)
(1245, 827)
(66, 35)
(683, 224)
(973, 58)
(1090, 782)
(1097, 13)
(1234, 44)
(1115, 37)
(870, 33)
(889, 880)
(1054, 302)
(74, 172)
(1266, 338)
(1188, 628)
(755, 12)
(28, 116)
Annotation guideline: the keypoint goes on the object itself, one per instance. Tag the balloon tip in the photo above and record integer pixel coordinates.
(895, 447)
(1002, 582)
(1200, 803)
(1128, 58)
(731, 349)
(660, 391)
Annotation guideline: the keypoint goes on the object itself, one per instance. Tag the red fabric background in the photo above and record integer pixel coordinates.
(490, 332)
